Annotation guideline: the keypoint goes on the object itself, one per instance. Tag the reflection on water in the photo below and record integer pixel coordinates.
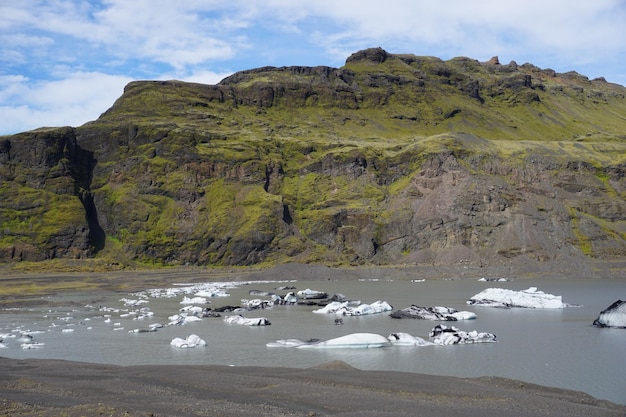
(550, 347)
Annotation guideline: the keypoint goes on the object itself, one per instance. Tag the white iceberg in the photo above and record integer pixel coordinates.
(288, 299)
(181, 319)
(613, 316)
(261, 321)
(255, 303)
(33, 345)
(192, 309)
(433, 313)
(354, 340)
(345, 309)
(444, 335)
(530, 298)
(212, 292)
(194, 300)
(309, 294)
(190, 342)
(405, 339)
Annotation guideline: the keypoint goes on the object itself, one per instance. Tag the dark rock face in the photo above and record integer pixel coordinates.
(389, 159)
(48, 211)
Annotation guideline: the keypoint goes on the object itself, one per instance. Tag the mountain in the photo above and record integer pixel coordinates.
(391, 159)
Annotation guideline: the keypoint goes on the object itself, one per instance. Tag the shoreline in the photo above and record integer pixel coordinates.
(38, 387)
(17, 282)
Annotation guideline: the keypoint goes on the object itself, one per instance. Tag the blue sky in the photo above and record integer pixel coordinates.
(64, 62)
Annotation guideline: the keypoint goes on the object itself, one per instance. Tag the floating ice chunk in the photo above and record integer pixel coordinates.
(613, 316)
(444, 335)
(24, 338)
(289, 298)
(67, 330)
(3, 346)
(262, 321)
(181, 319)
(190, 342)
(344, 308)
(191, 309)
(334, 307)
(405, 339)
(309, 294)
(433, 313)
(33, 345)
(366, 309)
(213, 292)
(128, 302)
(194, 300)
(354, 340)
(286, 343)
(530, 298)
(255, 303)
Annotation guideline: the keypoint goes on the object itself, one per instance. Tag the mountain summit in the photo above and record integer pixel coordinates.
(390, 159)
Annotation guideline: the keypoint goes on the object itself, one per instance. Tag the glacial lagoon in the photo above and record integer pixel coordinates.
(552, 347)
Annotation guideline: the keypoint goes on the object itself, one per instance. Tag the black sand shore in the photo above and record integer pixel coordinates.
(60, 388)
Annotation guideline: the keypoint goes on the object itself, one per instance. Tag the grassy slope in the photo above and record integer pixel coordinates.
(198, 140)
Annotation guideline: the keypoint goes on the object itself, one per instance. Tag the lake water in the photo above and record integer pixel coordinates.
(558, 348)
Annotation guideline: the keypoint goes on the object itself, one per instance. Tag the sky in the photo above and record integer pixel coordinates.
(65, 62)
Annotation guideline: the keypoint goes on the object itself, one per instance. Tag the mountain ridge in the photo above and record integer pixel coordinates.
(390, 159)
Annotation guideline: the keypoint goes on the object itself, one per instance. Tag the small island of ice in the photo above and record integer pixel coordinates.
(238, 319)
(354, 340)
(405, 339)
(432, 313)
(613, 316)
(444, 335)
(190, 342)
(345, 309)
(530, 298)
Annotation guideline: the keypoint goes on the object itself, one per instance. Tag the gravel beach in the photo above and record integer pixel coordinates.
(61, 388)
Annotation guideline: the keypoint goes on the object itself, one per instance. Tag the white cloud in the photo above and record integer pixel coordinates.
(74, 100)
(204, 77)
(65, 46)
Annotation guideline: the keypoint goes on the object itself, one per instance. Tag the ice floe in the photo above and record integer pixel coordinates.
(190, 341)
(310, 294)
(613, 316)
(354, 340)
(345, 309)
(530, 298)
(238, 319)
(405, 339)
(182, 319)
(194, 300)
(439, 335)
(444, 335)
(433, 313)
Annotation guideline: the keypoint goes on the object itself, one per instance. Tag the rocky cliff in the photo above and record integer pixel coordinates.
(390, 159)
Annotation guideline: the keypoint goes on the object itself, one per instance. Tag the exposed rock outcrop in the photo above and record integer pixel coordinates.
(389, 159)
